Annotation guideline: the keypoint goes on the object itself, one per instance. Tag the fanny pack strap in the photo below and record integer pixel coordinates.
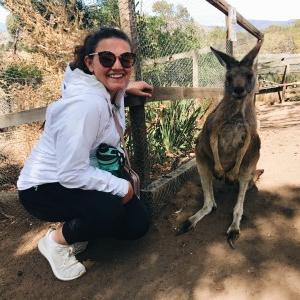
(120, 131)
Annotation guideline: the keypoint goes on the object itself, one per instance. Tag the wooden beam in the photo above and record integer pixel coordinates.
(159, 94)
(177, 93)
(277, 88)
(269, 90)
(271, 57)
(195, 70)
(223, 6)
(23, 117)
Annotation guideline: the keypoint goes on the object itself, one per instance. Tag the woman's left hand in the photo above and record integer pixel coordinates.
(140, 88)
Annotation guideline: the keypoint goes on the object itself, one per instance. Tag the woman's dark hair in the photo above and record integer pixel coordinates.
(90, 43)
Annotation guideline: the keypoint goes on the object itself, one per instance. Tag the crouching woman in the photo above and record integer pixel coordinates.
(59, 181)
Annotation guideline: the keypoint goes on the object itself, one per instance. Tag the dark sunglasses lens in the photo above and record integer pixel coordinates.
(127, 59)
(107, 59)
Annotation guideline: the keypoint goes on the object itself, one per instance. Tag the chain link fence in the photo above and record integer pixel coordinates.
(173, 51)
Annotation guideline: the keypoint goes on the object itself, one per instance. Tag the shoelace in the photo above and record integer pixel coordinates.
(69, 257)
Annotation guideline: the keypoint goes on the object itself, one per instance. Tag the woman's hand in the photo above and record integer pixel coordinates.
(129, 194)
(140, 88)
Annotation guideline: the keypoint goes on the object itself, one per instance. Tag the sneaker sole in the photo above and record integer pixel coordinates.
(43, 251)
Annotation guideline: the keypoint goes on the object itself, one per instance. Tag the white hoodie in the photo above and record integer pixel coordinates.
(75, 125)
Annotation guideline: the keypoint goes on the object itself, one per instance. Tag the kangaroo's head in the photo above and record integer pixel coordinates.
(240, 75)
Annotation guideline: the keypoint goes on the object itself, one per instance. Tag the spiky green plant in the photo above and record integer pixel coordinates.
(171, 128)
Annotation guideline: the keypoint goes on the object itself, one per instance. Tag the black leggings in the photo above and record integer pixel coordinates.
(87, 214)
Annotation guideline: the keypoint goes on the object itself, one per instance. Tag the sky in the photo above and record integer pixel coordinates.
(206, 14)
(3, 14)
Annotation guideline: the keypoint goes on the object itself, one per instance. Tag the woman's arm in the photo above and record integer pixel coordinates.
(75, 129)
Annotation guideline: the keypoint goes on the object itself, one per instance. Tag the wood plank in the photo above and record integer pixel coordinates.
(277, 71)
(277, 88)
(284, 76)
(268, 90)
(223, 6)
(271, 57)
(177, 93)
(159, 94)
(23, 117)
(279, 63)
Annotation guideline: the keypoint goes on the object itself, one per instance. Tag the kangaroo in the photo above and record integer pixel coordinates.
(228, 146)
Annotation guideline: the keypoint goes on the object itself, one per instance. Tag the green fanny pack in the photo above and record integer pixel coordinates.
(110, 159)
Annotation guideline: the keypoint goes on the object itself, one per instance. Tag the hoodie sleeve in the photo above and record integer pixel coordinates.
(75, 131)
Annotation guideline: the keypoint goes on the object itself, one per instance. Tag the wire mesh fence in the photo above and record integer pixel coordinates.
(173, 51)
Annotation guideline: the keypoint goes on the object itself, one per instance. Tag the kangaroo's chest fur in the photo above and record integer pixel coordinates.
(231, 138)
(232, 122)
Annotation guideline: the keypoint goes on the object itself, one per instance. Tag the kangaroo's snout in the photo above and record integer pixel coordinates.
(239, 92)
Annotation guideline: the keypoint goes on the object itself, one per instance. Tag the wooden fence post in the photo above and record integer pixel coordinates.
(283, 80)
(230, 34)
(195, 69)
(140, 161)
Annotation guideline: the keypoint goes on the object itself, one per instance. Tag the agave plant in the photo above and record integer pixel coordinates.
(171, 128)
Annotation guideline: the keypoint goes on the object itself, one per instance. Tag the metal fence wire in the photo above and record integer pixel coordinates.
(172, 47)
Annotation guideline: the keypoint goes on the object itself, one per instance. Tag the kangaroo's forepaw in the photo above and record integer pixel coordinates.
(232, 237)
(219, 173)
(231, 176)
(185, 227)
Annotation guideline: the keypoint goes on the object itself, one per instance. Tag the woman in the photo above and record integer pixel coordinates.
(59, 181)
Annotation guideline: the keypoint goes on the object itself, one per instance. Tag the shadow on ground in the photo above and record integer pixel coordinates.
(196, 265)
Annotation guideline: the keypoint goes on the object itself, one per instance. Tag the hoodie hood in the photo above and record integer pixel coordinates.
(75, 81)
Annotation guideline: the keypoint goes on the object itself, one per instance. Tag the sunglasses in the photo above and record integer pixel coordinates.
(107, 59)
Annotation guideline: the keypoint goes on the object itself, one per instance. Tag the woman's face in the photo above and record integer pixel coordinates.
(115, 78)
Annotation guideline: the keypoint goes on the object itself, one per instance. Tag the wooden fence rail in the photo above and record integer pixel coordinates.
(138, 124)
(159, 94)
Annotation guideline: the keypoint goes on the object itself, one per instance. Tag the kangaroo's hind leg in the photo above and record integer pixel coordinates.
(206, 178)
(247, 174)
(234, 229)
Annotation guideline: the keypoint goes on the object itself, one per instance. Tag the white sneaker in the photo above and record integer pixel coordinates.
(61, 258)
(79, 247)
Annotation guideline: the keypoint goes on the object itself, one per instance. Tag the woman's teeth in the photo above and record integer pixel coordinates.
(116, 75)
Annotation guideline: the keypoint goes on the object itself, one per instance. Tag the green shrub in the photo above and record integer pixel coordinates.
(23, 74)
(171, 128)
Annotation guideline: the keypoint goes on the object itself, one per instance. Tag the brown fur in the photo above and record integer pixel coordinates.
(228, 146)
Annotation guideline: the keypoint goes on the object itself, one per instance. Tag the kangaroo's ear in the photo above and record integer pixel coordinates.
(250, 57)
(225, 59)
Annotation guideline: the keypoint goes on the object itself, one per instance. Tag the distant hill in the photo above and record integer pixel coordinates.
(259, 24)
(2, 27)
(263, 24)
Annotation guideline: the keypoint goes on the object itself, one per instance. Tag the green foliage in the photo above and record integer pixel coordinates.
(102, 13)
(12, 24)
(163, 8)
(170, 31)
(166, 74)
(23, 74)
(217, 35)
(171, 128)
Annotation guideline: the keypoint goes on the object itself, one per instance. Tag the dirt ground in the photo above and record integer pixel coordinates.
(197, 265)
